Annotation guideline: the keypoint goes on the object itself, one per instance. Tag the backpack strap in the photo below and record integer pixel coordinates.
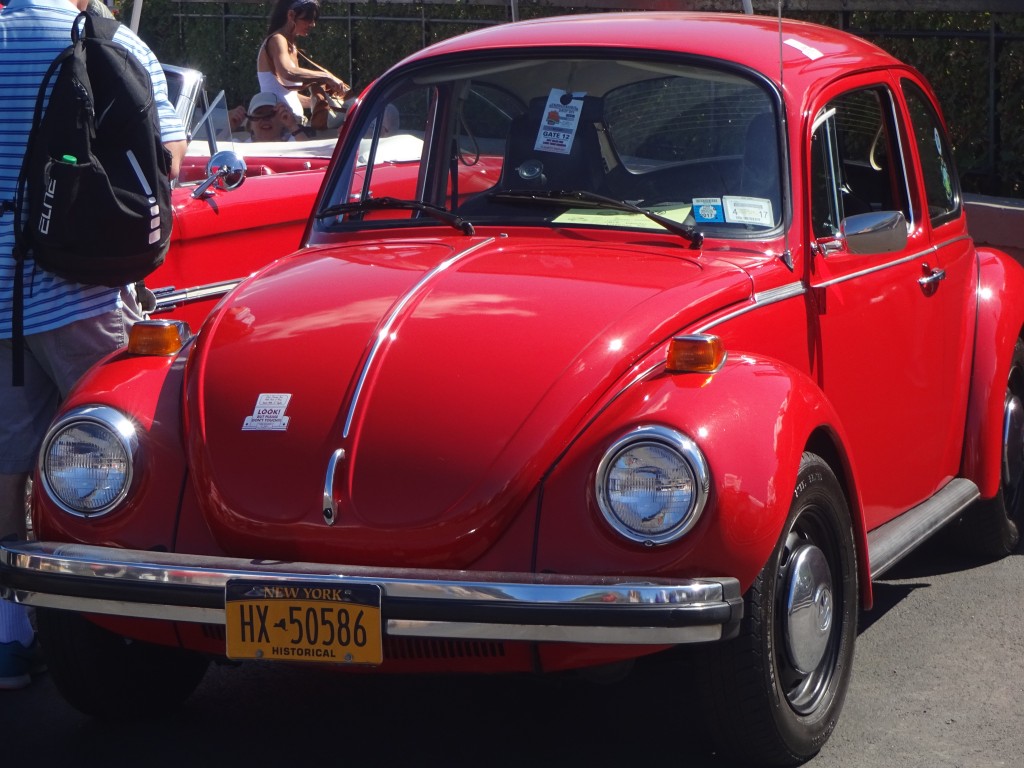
(22, 238)
(95, 28)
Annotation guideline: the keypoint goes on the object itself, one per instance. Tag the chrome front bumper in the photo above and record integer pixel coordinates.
(415, 602)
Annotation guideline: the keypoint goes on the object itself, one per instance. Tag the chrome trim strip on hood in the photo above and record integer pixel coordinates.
(763, 299)
(385, 329)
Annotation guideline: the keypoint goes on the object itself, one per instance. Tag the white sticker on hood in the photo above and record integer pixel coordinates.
(269, 413)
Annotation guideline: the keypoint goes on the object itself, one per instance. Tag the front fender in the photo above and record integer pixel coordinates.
(753, 419)
(147, 389)
(999, 324)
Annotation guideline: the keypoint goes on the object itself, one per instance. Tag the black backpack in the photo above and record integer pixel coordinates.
(95, 173)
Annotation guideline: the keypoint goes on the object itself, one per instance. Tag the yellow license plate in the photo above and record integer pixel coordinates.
(303, 621)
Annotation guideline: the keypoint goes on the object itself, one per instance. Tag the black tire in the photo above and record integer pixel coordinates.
(991, 528)
(775, 691)
(111, 677)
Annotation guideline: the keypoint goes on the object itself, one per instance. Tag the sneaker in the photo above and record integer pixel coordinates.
(18, 664)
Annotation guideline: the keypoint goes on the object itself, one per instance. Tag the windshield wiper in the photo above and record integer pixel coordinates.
(581, 199)
(382, 203)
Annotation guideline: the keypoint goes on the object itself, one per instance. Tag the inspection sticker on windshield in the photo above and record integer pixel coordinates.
(748, 210)
(560, 121)
(708, 209)
(269, 413)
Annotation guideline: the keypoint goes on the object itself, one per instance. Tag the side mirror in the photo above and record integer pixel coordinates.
(875, 232)
(226, 170)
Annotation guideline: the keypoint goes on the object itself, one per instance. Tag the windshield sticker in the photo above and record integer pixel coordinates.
(749, 210)
(707, 210)
(561, 119)
(268, 415)
(610, 218)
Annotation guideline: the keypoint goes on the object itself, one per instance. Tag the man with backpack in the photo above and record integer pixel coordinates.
(67, 325)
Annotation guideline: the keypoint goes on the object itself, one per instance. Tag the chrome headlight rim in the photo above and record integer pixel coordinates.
(121, 428)
(687, 450)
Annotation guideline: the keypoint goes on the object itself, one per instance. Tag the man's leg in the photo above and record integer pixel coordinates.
(25, 413)
(54, 360)
(16, 633)
(12, 499)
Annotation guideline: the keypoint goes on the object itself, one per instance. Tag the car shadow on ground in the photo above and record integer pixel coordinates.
(942, 554)
(260, 715)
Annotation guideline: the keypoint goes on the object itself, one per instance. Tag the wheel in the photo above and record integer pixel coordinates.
(775, 691)
(991, 528)
(108, 676)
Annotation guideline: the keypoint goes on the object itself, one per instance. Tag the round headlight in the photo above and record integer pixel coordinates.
(87, 459)
(652, 485)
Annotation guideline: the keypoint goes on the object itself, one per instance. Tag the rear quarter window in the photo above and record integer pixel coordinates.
(941, 186)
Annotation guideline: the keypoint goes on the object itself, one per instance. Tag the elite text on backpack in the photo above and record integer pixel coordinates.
(95, 174)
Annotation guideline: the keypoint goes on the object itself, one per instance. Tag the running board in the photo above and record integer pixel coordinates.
(890, 543)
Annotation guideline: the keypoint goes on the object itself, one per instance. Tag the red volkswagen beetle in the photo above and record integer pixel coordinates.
(653, 330)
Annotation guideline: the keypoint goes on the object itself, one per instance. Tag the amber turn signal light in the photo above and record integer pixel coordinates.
(158, 337)
(700, 353)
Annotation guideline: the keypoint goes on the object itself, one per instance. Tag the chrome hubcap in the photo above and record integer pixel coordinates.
(809, 608)
(1013, 440)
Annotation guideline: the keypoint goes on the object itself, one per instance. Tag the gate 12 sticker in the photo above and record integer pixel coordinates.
(268, 415)
(560, 121)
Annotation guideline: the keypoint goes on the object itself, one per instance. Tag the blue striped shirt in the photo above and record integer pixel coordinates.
(32, 33)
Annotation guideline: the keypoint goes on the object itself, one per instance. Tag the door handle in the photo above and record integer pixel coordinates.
(932, 277)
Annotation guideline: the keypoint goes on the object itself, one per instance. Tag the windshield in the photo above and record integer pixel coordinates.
(175, 80)
(212, 125)
(590, 142)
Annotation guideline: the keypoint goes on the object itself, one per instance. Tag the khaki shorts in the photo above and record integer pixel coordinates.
(54, 361)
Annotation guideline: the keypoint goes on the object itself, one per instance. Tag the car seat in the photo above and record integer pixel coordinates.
(528, 168)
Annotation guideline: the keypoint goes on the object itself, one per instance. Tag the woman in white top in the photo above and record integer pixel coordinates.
(277, 65)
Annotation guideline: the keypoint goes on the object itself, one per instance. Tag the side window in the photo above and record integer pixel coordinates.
(391, 151)
(940, 181)
(395, 147)
(826, 213)
(484, 116)
(856, 165)
(401, 132)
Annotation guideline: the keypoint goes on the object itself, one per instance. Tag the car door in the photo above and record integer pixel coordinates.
(883, 315)
(955, 281)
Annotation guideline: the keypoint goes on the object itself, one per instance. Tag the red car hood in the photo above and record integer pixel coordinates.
(451, 372)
